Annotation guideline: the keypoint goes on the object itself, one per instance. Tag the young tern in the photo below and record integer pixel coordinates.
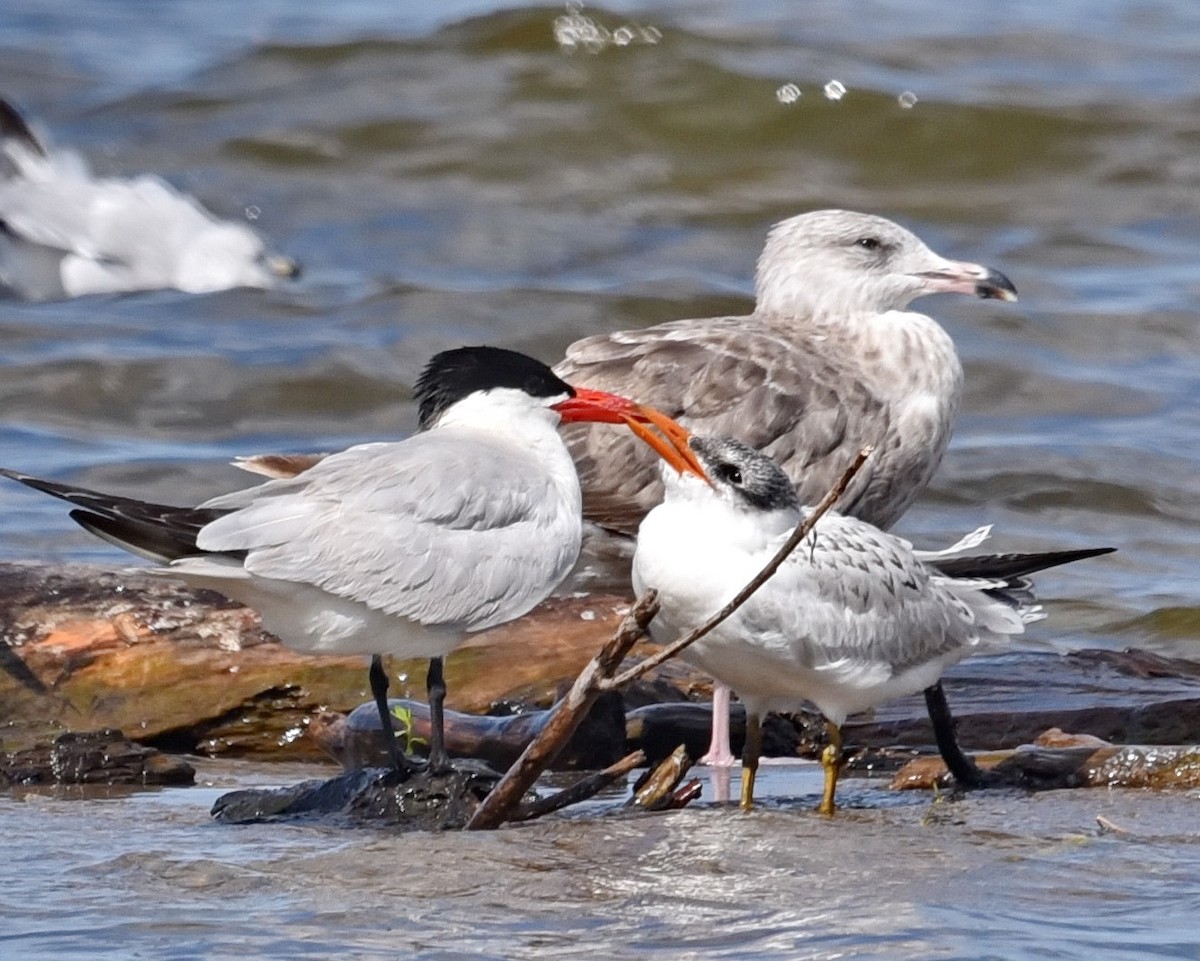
(853, 618)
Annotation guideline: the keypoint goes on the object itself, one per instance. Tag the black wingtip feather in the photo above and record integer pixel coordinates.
(156, 544)
(157, 532)
(1001, 566)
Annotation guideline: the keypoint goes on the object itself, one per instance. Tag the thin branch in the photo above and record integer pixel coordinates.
(505, 797)
(798, 535)
(581, 790)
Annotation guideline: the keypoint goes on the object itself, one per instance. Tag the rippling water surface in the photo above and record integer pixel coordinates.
(993, 876)
(450, 173)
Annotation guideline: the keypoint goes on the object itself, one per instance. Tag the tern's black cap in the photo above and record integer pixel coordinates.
(455, 374)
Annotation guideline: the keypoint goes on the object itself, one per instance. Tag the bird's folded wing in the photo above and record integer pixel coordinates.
(734, 376)
(434, 531)
(854, 598)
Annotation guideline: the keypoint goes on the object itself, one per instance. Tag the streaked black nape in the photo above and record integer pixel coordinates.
(753, 476)
(455, 374)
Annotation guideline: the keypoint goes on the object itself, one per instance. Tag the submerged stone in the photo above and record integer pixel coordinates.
(417, 802)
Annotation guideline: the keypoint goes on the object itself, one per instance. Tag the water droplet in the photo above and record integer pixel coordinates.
(907, 100)
(788, 93)
(253, 212)
(835, 90)
(573, 30)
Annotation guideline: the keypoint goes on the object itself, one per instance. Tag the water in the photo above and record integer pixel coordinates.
(447, 174)
(1006, 876)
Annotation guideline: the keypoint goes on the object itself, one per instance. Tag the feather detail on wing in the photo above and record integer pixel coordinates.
(792, 394)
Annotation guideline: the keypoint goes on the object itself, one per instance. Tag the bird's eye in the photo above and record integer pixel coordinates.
(729, 473)
(868, 243)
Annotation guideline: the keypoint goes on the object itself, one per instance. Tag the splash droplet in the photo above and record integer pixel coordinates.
(788, 93)
(574, 30)
(907, 100)
(253, 212)
(835, 90)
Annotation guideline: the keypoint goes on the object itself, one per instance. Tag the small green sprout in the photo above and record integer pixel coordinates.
(404, 719)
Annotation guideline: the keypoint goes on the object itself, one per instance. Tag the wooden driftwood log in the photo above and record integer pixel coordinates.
(84, 649)
(354, 740)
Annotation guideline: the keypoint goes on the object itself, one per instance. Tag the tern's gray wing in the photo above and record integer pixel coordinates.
(798, 396)
(865, 603)
(442, 531)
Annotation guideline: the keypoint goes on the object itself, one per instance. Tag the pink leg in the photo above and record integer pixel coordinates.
(719, 754)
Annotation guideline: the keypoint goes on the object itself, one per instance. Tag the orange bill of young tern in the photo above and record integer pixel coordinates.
(854, 616)
(403, 547)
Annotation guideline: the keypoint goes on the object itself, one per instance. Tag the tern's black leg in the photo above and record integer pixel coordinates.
(966, 772)
(379, 690)
(435, 686)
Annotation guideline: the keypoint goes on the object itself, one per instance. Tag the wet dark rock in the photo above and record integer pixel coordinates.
(1057, 760)
(418, 802)
(93, 757)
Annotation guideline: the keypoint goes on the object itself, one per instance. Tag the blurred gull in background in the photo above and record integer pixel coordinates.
(66, 233)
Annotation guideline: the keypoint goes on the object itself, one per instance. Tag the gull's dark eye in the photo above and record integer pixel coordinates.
(730, 473)
(868, 243)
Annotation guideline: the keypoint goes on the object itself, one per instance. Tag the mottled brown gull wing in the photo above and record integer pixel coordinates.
(795, 394)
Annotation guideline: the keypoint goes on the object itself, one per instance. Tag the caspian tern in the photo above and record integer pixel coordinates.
(854, 617)
(396, 548)
(830, 360)
(65, 232)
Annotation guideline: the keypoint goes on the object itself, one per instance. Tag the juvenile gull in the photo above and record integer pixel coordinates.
(396, 548)
(854, 617)
(831, 359)
(65, 232)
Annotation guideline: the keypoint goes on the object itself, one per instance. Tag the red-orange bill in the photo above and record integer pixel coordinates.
(667, 438)
(670, 442)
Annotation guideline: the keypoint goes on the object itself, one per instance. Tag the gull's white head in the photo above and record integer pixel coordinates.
(834, 262)
(225, 255)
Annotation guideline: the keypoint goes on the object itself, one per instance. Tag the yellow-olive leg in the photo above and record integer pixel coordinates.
(751, 752)
(831, 761)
